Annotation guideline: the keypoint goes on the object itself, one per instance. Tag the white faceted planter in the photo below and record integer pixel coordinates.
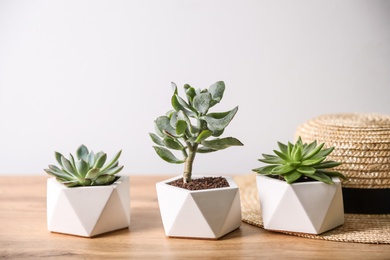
(88, 211)
(208, 214)
(308, 207)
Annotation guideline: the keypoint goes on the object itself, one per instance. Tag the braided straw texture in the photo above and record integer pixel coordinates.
(357, 228)
(362, 144)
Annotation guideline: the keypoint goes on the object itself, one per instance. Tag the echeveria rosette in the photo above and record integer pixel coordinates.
(190, 128)
(294, 161)
(88, 169)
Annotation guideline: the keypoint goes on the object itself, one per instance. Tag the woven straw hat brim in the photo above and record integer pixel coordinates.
(357, 228)
(362, 145)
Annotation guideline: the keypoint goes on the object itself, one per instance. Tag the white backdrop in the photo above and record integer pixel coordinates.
(99, 73)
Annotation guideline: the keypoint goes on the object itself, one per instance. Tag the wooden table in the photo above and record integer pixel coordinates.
(23, 233)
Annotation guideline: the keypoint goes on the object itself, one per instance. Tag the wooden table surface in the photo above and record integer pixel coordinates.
(23, 233)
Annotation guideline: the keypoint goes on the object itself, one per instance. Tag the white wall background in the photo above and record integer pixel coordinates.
(99, 73)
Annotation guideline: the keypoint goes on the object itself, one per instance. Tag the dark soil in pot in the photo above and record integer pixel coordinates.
(201, 183)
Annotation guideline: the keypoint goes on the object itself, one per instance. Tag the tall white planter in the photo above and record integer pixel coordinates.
(208, 214)
(88, 211)
(308, 207)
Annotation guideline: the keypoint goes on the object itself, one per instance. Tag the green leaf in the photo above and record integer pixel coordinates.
(112, 161)
(290, 148)
(82, 167)
(282, 155)
(216, 90)
(333, 173)
(156, 139)
(297, 155)
(309, 148)
(203, 149)
(325, 152)
(56, 172)
(58, 157)
(282, 169)
(92, 173)
(293, 176)
(104, 179)
(223, 143)
(327, 164)
(164, 126)
(203, 136)
(172, 144)
(319, 176)
(219, 121)
(313, 152)
(166, 155)
(265, 169)
(114, 170)
(82, 152)
(174, 88)
(181, 127)
(67, 165)
(100, 161)
(217, 133)
(69, 184)
(180, 105)
(190, 93)
(312, 161)
(275, 160)
(283, 148)
(202, 102)
(306, 170)
(91, 159)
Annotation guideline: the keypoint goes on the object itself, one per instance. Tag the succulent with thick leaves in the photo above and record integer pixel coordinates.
(188, 127)
(296, 161)
(89, 169)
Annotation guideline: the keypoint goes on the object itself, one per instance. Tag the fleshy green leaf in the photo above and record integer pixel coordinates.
(219, 121)
(283, 148)
(82, 152)
(82, 167)
(100, 161)
(166, 155)
(203, 149)
(293, 176)
(58, 157)
(222, 143)
(312, 161)
(190, 93)
(112, 161)
(333, 173)
(306, 170)
(313, 152)
(113, 171)
(325, 152)
(202, 102)
(92, 173)
(319, 176)
(203, 136)
(216, 90)
(265, 169)
(164, 126)
(67, 165)
(104, 179)
(180, 105)
(174, 88)
(275, 160)
(282, 155)
(58, 173)
(282, 169)
(91, 159)
(181, 127)
(309, 148)
(156, 139)
(217, 133)
(172, 144)
(327, 164)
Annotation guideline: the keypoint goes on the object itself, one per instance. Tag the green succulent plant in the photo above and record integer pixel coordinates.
(188, 127)
(299, 160)
(89, 169)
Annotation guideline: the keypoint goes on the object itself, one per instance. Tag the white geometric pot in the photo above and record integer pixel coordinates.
(88, 211)
(308, 207)
(209, 214)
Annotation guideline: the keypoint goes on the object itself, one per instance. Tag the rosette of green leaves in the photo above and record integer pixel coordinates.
(88, 169)
(190, 128)
(294, 161)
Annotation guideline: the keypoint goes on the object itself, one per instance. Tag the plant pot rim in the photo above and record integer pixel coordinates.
(229, 179)
(114, 184)
(314, 182)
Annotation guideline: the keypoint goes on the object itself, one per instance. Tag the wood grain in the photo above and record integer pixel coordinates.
(23, 233)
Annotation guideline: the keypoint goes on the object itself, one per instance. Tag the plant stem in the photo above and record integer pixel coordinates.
(188, 163)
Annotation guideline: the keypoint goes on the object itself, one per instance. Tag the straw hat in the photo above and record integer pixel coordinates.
(362, 144)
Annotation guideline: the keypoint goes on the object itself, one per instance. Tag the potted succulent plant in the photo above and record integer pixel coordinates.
(86, 197)
(205, 206)
(298, 191)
